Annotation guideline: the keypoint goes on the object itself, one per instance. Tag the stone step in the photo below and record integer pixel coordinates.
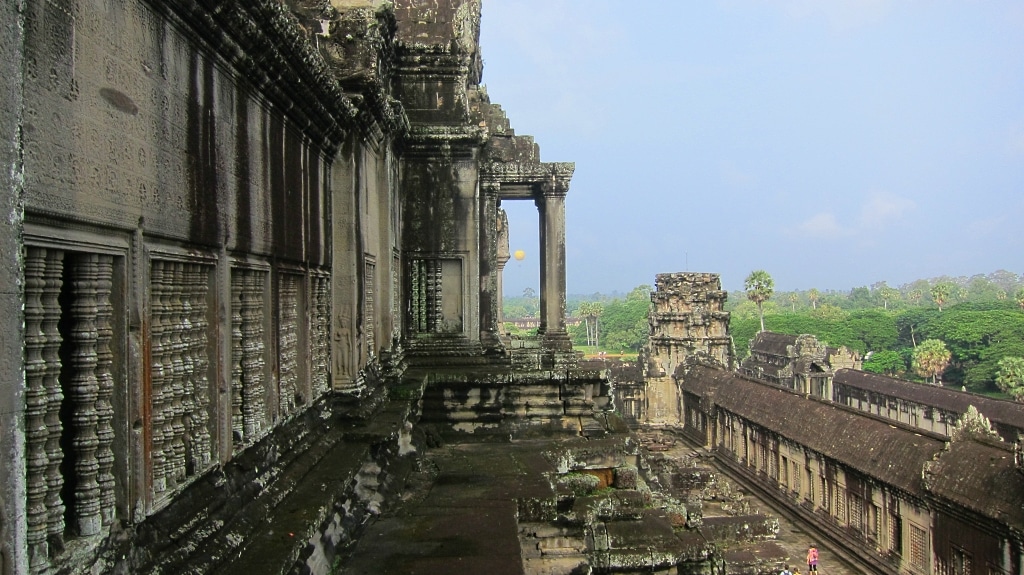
(286, 501)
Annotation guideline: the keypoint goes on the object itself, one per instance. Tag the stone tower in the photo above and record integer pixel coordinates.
(686, 318)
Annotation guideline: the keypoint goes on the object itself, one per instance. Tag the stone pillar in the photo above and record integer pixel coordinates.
(490, 297)
(13, 525)
(503, 257)
(551, 205)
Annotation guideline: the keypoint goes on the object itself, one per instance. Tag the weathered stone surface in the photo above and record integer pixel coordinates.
(686, 320)
(13, 550)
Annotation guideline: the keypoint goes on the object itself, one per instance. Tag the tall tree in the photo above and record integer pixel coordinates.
(940, 293)
(792, 301)
(591, 312)
(888, 362)
(598, 312)
(930, 359)
(1010, 377)
(961, 293)
(888, 294)
(1019, 298)
(814, 295)
(914, 296)
(759, 286)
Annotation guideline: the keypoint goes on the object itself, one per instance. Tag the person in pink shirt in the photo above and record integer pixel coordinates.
(812, 559)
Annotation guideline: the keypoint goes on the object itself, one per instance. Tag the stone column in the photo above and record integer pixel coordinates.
(551, 205)
(13, 512)
(503, 257)
(489, 295)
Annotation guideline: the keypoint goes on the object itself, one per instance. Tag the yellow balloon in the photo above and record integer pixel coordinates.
(519, 254)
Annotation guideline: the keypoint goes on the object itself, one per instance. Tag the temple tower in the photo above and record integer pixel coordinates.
(686, 318)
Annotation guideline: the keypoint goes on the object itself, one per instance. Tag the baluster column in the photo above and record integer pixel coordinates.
(35, 408)
(52, 286)
(105, 387)
(83, 389)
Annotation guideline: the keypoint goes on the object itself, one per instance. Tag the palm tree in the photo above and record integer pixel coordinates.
(759, 286)
(887, 293)
(1019, 297)
(591, 311)
(940, 293)
(814, 295)
(792, 301)
(930, 359)
(914, 296)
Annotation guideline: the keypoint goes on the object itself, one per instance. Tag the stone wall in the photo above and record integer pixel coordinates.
(13, 557)
(182, 171)
(220, 213)
(903, 500)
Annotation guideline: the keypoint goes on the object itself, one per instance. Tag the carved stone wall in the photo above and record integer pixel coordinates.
(175, 196)
(228, 213)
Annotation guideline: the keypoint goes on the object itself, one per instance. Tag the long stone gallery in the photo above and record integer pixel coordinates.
(251, 304)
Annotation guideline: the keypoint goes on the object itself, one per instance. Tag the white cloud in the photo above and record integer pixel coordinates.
(822, 225)
(879, 211)
(883, 208)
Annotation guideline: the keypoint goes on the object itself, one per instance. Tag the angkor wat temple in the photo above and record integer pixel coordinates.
(252, 268)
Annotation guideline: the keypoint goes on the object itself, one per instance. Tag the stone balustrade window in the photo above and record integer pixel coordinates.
(72, 342)
(181, 346)
(248, 356)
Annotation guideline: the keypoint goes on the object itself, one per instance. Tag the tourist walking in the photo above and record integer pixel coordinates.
(786, 571)
(812, 559)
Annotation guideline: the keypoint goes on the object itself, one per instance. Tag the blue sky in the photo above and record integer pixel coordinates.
(832, 143)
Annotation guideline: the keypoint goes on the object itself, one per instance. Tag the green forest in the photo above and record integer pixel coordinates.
(975, 325)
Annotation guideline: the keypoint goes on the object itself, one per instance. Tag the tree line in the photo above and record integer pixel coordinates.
(616, 324)
(965, 332)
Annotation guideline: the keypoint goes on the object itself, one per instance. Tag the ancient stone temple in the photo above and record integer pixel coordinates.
(799, 362)
(686, 319)
(895, 476)
(227, 224)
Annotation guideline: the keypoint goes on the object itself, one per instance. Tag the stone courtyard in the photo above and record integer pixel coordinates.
(494, 507)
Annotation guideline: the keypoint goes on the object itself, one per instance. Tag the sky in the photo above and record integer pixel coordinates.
(832, 144)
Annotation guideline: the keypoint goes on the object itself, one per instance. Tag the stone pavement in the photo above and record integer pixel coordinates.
(458, 515)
